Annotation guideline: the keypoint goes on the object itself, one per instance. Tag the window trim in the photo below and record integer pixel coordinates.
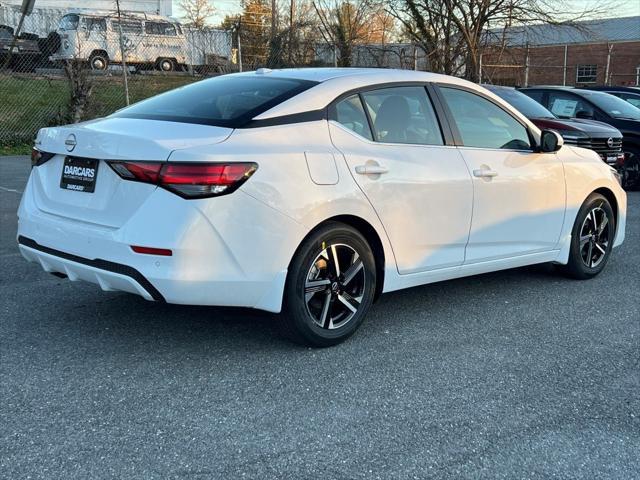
(454, 127)
(583, 65)
(447, 136)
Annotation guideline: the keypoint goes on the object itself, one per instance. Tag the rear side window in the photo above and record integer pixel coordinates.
(403, 115)
(350, 113)
(128, 26)
(226, 101)
(483, 124)
(160, 28)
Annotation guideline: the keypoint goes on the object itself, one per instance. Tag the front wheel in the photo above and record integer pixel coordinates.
(591, 238)
(330, 286)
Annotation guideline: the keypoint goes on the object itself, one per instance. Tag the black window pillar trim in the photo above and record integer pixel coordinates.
(443, 116)
(365, 108)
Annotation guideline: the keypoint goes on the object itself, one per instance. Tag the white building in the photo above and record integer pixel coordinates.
(160, 7)
(47, 13)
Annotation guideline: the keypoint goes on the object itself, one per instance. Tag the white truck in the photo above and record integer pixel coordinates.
(148, 41)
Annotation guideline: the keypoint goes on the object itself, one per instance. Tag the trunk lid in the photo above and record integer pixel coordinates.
(113, 200)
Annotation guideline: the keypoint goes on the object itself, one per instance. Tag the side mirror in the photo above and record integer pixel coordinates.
(550, 141)
(584, 114)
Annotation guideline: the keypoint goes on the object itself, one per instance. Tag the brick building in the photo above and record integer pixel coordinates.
(591, 53)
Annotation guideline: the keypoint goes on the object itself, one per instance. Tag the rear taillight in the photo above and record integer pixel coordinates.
(189, 180)
(39, 157)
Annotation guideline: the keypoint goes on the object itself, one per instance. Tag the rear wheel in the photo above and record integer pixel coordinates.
(166, 65)
(99, 61)
(592, 238)
(330, 286)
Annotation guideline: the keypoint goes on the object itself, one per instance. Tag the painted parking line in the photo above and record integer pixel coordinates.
(5, 189)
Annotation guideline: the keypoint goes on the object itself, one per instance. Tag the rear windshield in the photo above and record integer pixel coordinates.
(226, 101)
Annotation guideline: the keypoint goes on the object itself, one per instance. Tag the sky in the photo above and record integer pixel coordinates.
(230, 7)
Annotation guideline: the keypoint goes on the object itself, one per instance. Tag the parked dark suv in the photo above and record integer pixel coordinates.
(26, 51)
(604, 139)
(567, 102)
(628, 94)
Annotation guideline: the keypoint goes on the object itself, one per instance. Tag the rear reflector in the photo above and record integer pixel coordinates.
(165, 252)
(189, 180)
(38, 157)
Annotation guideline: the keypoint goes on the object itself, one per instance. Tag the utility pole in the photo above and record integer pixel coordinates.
(273, 20)
(124, 62)
(292, 14)
(25, 9)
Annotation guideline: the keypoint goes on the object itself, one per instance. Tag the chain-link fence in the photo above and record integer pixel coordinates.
(66, 67)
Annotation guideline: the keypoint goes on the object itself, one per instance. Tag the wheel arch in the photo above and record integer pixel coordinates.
(609, 195)
(99, 51)
(371, 236)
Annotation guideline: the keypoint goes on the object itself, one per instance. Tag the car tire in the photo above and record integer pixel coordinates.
(166, 65)
(591, 238)
(98, 61)
(631, 170)
(322, 305)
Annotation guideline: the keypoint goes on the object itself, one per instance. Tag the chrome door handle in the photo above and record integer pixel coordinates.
(485, 173)
(371, 169)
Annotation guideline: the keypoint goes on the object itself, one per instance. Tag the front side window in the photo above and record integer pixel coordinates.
(226, 101)
(586, 73)
(566, 105)
(612, 106)
(95, 24)
(403, 115)
(631, 98)
(69, 22)
(483, 124)
(350, 113)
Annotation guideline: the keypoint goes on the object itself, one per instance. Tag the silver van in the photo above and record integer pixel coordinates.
(150, 41)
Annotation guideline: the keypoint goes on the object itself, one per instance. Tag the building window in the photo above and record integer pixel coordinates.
(586, 74)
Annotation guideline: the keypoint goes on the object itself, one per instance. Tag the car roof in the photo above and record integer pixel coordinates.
(322, 74)
(333, 82)
(604, 88)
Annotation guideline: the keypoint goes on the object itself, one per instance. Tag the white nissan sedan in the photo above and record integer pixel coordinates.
(311, 192)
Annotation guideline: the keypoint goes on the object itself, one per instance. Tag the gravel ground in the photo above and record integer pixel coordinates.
(513, 375)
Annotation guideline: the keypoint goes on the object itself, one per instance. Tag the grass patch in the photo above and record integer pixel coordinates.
(15, 149)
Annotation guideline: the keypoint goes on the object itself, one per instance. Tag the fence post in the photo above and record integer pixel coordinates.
(607, 80)
(124, 62)
(239, 51)
(335, 55)
(526, 68)
(564, 67)
(480, 69)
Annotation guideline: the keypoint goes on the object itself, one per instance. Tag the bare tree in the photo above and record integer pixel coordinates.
(343, 24)
(454, 32)
(197, 12)
(81, 87)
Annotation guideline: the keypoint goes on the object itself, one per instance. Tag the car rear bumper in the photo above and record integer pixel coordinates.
(109, 275)
(219, 257)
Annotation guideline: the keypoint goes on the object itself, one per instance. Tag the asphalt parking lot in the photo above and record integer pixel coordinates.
(513, 375)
